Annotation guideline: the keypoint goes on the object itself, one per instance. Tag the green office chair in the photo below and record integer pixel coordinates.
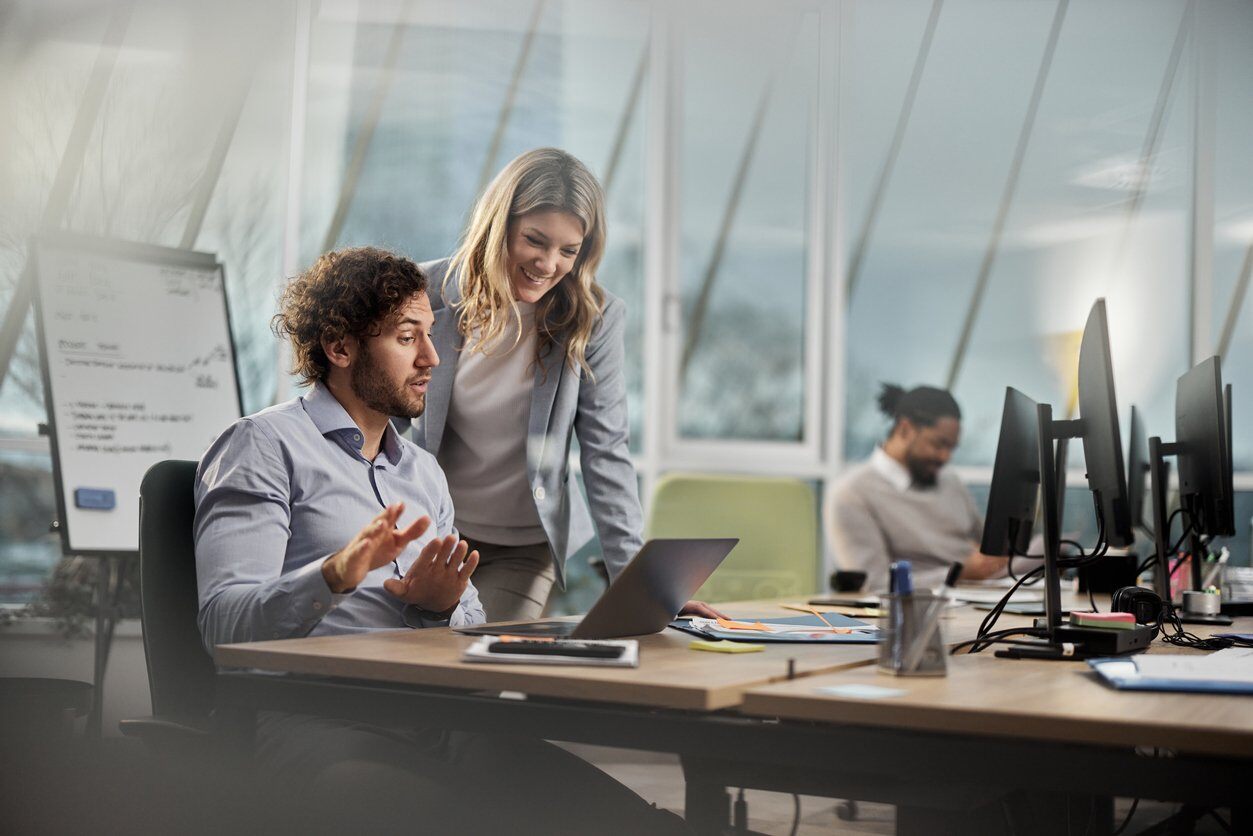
(775, 519)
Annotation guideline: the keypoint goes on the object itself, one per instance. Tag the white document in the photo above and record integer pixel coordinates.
(1024, 595)
(1235, 664)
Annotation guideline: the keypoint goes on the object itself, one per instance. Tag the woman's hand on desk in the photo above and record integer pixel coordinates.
(376, 545)
(701, 610)
(436, 580)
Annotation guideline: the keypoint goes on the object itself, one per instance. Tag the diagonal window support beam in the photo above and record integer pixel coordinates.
(1152, 138)
(212, 173)
(511, 94)
(1007, 197)
(361, 147)
(1236, 305)
(700, 307)
(68, 171)
(628, 118)
(894, 149)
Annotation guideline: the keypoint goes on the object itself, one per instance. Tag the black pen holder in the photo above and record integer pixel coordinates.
(911, 641)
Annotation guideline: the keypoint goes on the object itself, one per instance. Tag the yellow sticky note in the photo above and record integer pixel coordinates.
(725, 647)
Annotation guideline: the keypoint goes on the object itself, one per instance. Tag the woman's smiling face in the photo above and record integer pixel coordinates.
(542, 248)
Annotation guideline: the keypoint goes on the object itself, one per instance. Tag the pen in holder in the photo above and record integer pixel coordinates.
(910, 642)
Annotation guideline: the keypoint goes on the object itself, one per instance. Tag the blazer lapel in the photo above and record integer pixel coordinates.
(448, 345)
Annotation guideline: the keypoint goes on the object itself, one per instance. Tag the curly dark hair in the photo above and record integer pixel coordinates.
(346, 293)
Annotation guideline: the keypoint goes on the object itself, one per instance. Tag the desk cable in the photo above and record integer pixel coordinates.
(985, 637)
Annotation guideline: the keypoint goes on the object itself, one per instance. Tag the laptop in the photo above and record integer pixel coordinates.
(644, 599)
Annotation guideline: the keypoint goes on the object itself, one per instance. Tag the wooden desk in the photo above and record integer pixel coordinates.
(670, 675)
(1019, 698)
(958, 740)
(1054, 726)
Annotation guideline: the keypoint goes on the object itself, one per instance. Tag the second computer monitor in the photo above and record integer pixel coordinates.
(1102, 442)
(1137, 470)
(1015, 479)
(1201, 433)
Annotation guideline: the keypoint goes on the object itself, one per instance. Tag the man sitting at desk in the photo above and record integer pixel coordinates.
(902, 505)
(315, 517)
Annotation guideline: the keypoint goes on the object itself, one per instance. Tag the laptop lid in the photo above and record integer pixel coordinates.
(653, 587)
(646, 597)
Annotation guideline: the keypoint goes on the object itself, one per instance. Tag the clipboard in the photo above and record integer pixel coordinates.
(1218, 673)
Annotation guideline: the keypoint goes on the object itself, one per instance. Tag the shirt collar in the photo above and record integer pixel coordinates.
(331, 419)
(892, 470)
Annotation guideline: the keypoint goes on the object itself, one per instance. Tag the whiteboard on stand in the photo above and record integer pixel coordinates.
(138, 367)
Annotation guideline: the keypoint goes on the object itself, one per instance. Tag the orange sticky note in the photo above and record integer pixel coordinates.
(727, 624)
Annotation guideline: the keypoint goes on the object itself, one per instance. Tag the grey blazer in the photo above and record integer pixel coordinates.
(563, 402)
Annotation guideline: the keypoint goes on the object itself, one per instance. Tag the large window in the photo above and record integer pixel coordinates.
(806, 198)
(748, 85)
(1020, 194)
(183, 110)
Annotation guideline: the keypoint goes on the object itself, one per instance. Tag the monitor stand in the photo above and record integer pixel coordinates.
(1091, 641)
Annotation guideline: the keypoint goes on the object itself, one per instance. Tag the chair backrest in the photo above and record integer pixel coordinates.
(180, 673)
(775, 519)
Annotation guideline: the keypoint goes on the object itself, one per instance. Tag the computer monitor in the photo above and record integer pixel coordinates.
(1102, 442)
(1107, 479)
(1137, 470)
(1229, 505)
(1015, 479)
(1203, 456)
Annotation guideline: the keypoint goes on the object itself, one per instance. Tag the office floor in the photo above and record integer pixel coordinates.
(659, 779)
(118, 788)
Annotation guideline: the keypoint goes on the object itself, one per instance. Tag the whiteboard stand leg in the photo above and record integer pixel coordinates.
(107, 583)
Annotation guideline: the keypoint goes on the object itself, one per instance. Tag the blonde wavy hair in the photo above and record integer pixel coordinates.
(539, 180)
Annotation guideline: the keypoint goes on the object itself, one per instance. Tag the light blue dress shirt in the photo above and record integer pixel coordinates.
(282, 490)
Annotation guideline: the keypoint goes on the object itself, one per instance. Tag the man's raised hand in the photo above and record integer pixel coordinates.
(437, 577)
(378, 544)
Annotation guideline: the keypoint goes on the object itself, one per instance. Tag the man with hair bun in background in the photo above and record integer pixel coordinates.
(901, 504)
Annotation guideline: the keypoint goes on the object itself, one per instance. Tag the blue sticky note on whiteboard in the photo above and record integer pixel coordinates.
(95, 499)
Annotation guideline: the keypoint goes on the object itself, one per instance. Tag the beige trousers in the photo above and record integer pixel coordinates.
(513, 581)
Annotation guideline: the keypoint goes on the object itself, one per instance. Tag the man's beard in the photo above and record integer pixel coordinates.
(372, 387)
(921, 474)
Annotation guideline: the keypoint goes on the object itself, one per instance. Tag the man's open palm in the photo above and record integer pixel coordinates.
(378, 544)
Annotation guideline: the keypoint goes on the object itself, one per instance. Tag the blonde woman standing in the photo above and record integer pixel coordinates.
(532, 353)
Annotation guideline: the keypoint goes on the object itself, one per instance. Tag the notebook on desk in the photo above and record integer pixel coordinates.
(643, 599)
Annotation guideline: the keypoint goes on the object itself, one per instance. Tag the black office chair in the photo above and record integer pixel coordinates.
(181, 674)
